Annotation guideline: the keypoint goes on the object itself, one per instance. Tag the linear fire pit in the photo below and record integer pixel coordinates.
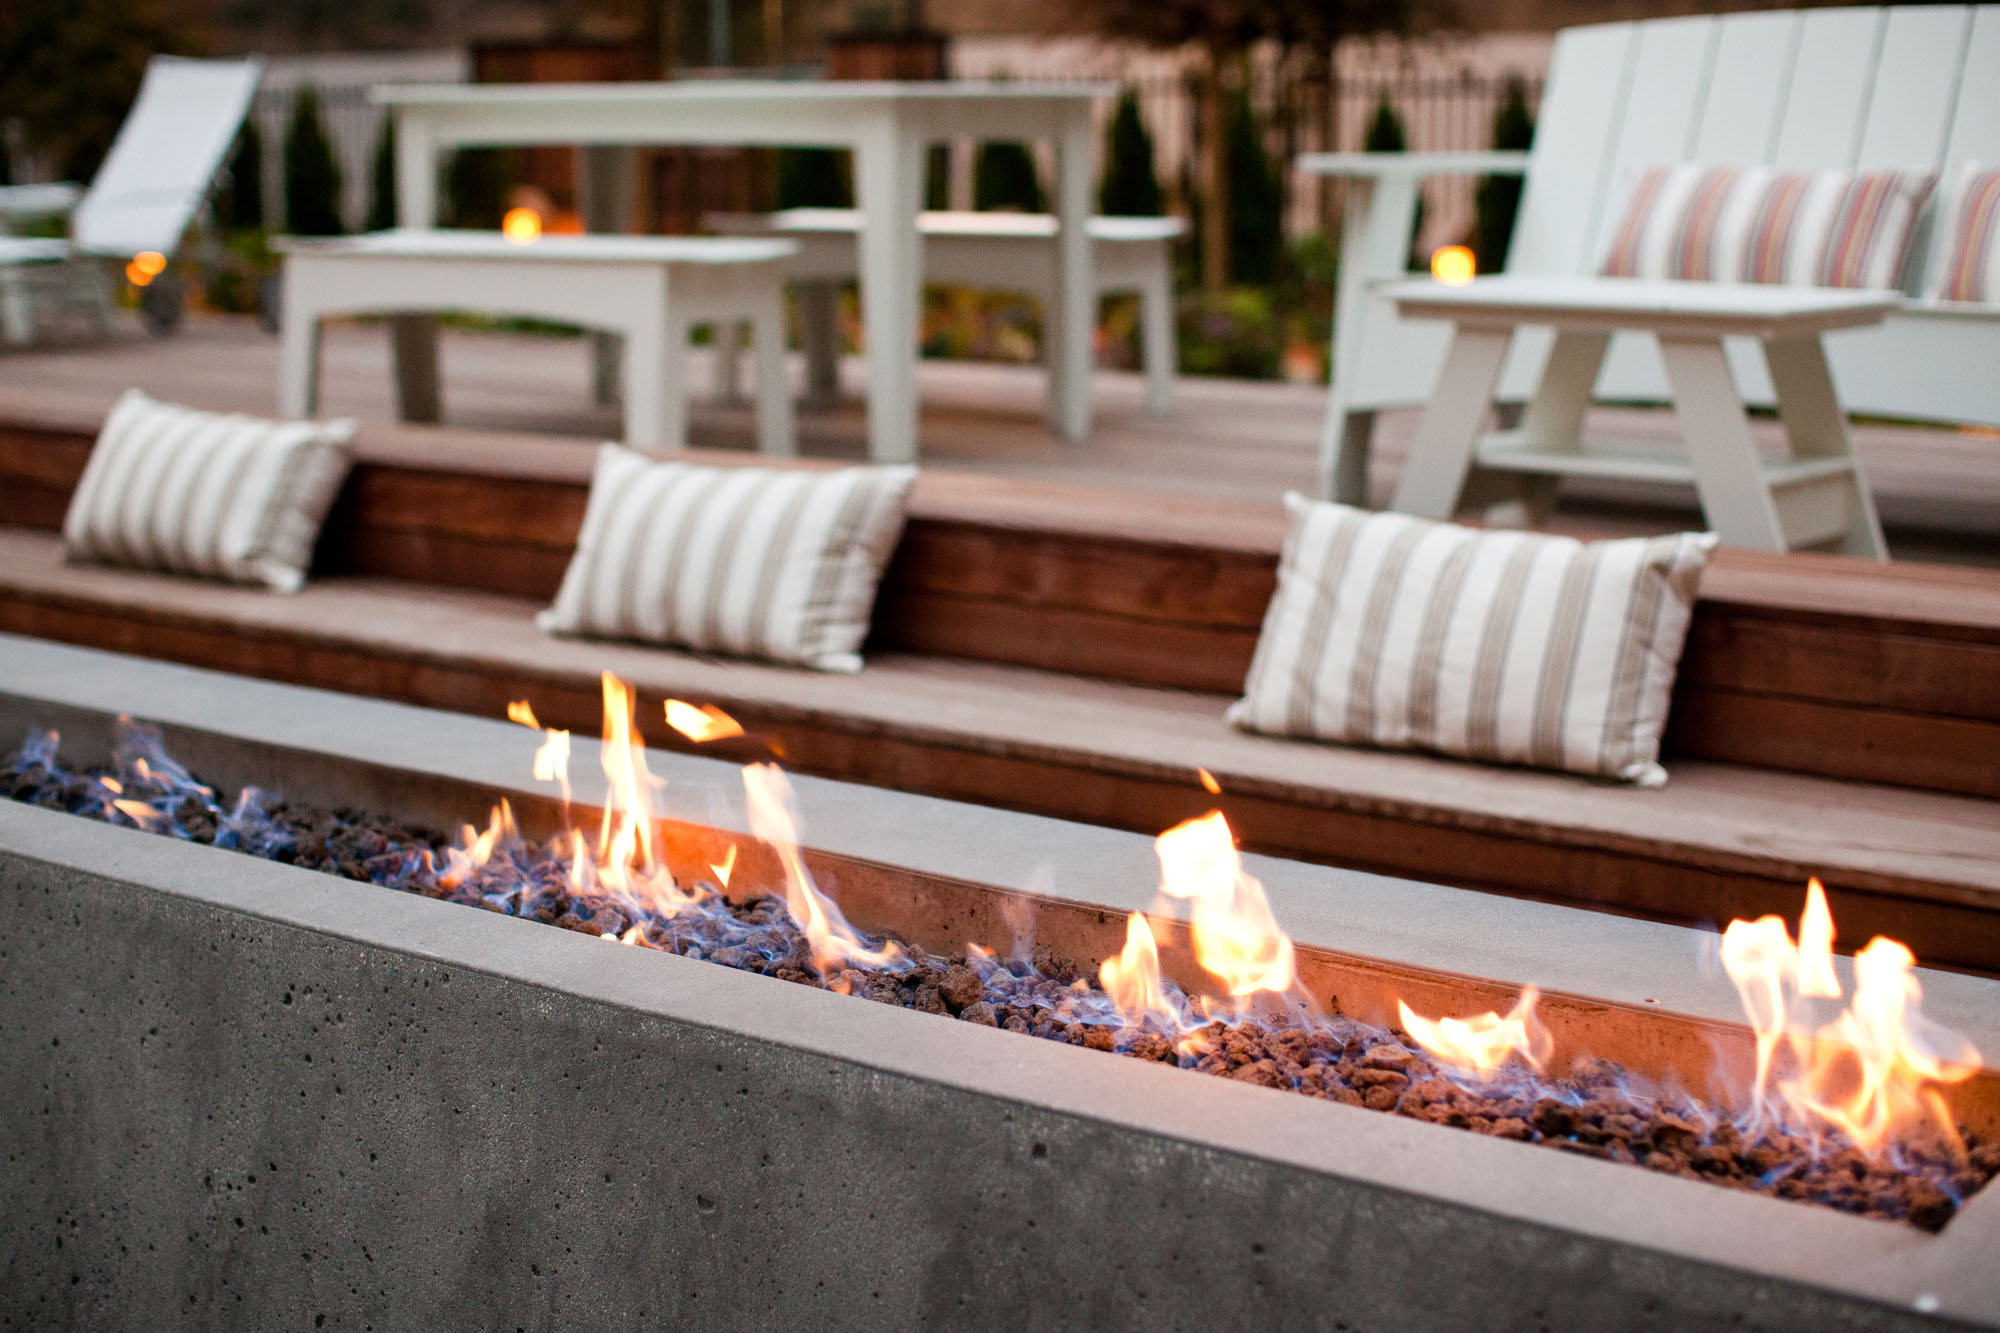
(247, 1091)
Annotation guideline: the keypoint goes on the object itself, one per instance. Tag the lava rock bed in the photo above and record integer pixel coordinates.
(1596, 1110)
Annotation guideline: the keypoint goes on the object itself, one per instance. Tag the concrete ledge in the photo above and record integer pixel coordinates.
(246, 1093)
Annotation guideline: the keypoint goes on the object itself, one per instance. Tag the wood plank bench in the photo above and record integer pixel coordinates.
(1070, 652)
(993, 251)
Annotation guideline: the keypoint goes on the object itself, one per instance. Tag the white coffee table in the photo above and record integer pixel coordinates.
(1814, 498)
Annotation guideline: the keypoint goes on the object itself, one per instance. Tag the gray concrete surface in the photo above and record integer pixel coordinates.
(241, 1095)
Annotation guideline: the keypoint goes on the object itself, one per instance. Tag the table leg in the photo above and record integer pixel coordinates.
(776, 434)
(1809, 407)
(298, 370)
(1441, 456)
(1075, 314)
(414, 338)
(655, 348)
(604, 193)
(888, 168)
(819, 332)
(1735, 496)
(416, 169)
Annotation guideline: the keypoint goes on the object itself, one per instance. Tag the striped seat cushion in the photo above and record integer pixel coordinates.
(1968, 237)
(1833, 228)
(1504, 646)
(756, 562)
(226, 496)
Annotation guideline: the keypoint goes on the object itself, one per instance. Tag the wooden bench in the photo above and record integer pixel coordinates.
(994, 251)
(651, 290)
(1070, 652)
(1910, 87)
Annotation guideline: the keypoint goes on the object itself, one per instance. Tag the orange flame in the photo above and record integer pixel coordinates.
(1235, 937)
(1208, 782)
(519, 711)
(725, 867)
(1132, 979)
(774, 819)
(1480, 1046)
(1871, 1071)
(475, 848)
(703, 723)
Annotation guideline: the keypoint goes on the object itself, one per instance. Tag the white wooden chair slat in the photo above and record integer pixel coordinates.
(1916, 81)
(1752, 70)
(1661, 108)
(1975, 126)
(1828, 96)
(1573, 135)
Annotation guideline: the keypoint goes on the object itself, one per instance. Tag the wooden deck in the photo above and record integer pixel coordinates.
(1939, 490)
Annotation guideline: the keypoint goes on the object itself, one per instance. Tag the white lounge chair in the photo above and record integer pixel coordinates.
(1909, 87)
(153, 181)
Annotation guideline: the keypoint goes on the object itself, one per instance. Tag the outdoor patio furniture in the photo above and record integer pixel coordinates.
(1814, 497)
(1910, 87)
(889, 126)
(1005, 251)
(652, 290)
(153, 181)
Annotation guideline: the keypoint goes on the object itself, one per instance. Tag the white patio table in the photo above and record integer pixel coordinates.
(887, 125)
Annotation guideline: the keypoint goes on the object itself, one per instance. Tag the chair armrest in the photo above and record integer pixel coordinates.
(1376, 166)
(25, 201)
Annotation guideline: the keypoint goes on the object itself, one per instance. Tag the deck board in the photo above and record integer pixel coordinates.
(1939, 490)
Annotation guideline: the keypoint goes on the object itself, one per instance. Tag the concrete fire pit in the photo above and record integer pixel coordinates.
(246, 1095)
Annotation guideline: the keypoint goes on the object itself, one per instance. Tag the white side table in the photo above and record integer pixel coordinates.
(1816, 497)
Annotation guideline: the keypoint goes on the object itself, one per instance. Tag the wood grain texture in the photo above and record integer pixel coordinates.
(1807, 663)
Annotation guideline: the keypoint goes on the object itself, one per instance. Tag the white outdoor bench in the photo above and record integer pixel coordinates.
(1007, 251)
(652, 290)
(1911, 87)
(1814, 497)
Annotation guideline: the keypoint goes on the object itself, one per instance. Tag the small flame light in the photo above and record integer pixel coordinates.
(522, 226)
(1453, 265)
(145, 266)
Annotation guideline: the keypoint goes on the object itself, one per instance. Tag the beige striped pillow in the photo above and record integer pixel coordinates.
(227, 496)
(1969, 237)
(1506, 646)
(758, 562)
(1830, 228)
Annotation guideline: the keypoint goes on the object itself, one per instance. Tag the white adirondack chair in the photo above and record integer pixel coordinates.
(1860, 87)
(153, 181)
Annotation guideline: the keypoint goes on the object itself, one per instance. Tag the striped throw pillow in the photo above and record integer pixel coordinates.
(226, 496)
(1833, 228)
(756, 562)
(1969, 237)
(1505, 646)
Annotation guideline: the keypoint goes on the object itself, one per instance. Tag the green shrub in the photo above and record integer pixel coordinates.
(1237, 334)
(1004, 178)
(1499, 197)
(382, 179)
(814, 178)
(1131, 187)
(240, 204)
(1256, 200)
(312, 175)
(476, 185)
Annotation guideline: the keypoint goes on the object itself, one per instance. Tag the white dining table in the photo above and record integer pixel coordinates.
(887, 125)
